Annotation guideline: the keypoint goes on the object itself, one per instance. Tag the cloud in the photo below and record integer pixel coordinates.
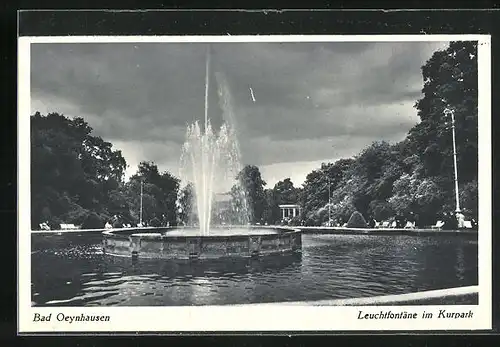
(312, 101)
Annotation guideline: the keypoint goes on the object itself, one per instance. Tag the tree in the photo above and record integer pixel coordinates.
(272, 214)
(240, 211)
(283, 192)
(375, 169)
(160, 191)
(72, 171)
(315, 191)
(185, 204)
(251, 186)
(422, 196)
(120, 202)
(469, 198)
(381, 210)
(450, 80)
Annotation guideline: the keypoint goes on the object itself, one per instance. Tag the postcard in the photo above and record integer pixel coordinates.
(254, 183)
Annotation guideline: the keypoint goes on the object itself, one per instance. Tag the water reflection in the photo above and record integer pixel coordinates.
(182, 270)
(71, 270)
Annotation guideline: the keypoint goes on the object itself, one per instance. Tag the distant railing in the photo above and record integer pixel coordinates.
(59, 231)
(382, 231)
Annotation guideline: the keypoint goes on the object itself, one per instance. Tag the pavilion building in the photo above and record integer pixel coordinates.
(289, 211)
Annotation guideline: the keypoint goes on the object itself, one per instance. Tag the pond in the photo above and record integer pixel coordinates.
(71, 270)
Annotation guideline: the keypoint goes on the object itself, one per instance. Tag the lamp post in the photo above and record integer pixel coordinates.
(450, 112)
(329, 203)
(140, 211)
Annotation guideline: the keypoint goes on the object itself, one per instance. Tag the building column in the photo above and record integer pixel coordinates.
(282, 213)
(294, 212)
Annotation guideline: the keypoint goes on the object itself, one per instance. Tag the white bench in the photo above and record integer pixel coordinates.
(68, 227)
(467, 224)
(44, 226)
(409, 225)
(383, 225)
(438, 225)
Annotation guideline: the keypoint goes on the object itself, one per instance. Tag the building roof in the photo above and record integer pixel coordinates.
(289, 206)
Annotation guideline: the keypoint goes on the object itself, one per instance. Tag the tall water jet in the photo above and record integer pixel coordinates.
(210, 161)
(207, 85)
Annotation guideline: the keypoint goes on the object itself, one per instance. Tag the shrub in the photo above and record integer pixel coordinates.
(77, 216)
(357, 221)
(155, 222)
(93, 221)
(295, 221)
(468, 198)
(381, 210)
(54, 223)
(310, 222)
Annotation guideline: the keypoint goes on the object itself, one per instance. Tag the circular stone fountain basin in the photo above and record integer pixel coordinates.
(188, 243)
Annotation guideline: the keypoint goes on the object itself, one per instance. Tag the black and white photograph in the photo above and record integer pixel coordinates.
(252, 174)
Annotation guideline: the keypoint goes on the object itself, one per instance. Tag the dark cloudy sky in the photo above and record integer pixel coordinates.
(314, 102)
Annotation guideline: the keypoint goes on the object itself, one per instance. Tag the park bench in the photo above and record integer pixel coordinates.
(383, 225)
(409, 225)
(468, 224)
(68, 227)
(44, 226)
(438, 225)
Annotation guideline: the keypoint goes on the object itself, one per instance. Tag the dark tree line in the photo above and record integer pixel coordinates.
(413, 177)
(78, 177)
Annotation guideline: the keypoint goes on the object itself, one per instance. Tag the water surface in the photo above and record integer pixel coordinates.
(70, 269)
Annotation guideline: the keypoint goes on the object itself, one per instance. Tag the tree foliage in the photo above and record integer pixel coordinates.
(283, 192)
(450, 80)
(414, 176)
(249, 194)
(160, 191)
(320, 185)
(73, 173)
(185, 204)
(78, 178)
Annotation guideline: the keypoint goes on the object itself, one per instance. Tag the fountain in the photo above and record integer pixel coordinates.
(210, 162)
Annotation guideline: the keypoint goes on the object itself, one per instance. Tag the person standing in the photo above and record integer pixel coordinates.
(460, 220)
(372, 222)
(452, 222)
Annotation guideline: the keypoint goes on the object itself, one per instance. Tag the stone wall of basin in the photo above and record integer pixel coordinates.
(156, 245)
